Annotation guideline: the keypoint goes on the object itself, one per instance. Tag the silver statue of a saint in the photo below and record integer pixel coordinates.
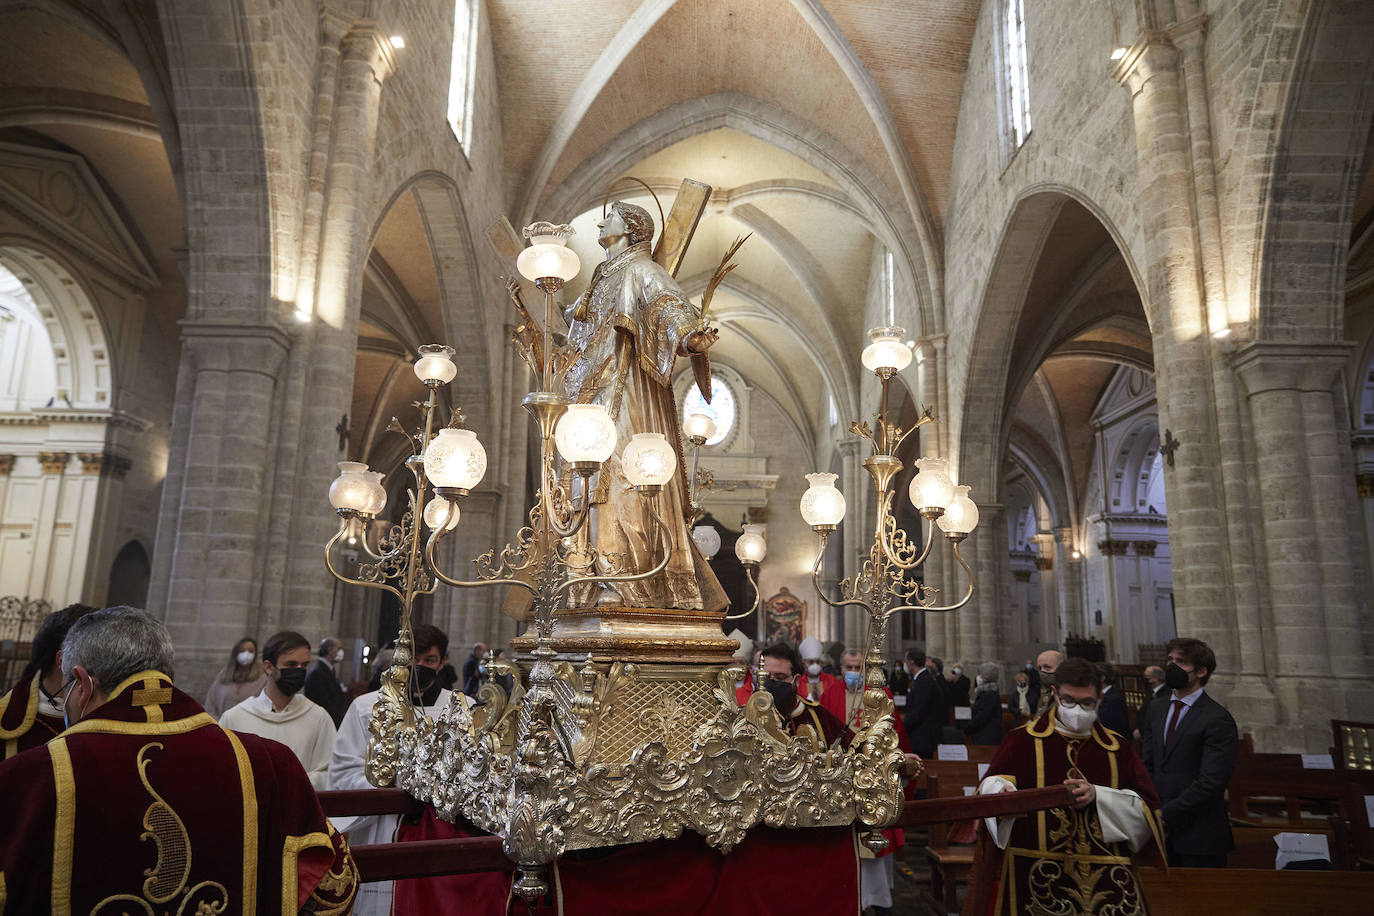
(629, 327)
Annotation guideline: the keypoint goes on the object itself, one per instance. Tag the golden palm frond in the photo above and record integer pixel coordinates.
(719, 276)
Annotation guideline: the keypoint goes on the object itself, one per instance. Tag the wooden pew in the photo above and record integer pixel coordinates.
(1209, 891)
(949, 864)
(1255, 846)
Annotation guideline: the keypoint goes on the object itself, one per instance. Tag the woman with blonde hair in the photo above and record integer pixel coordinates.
(238, 680)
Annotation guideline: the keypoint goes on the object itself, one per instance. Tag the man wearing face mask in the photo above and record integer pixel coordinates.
(146, 804)
(322, 685)
(815, 683)
(1154, 689)
(1190, 750)
(347, 765)
(1075, 859)
(957, 686)
(31, 713)
(927, 707)
(281, 712)
(799, 716)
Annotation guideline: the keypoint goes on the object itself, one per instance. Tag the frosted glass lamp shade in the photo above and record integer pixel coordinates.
(931, 488)
(707, 539)
(648, 460)
(822, 504)
(887, 350)
(699, 426)
(751, 546)
(455, 458)
(585, 432)
(351, 489)
(961, 516)
(435, 511)
(435, 364)
(376, 493)
(548, 254)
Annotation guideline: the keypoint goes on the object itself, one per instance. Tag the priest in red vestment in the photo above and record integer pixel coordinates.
(1077, 859)
(29, 714)
(146, 805)
(815, 684)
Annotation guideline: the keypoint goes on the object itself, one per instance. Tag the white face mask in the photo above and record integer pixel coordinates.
(978, 681)
(338, 656)
(813, 669)
(245, 657)
(1076, 720)
(958, 671)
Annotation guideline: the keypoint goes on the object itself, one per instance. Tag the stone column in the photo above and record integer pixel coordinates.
(471, 615)
(328, 355)
(1364, 489)
(215, 535)
(54, 467)
(979, 624)
(1303, 501)
(855, 534)
(1051, 568)
(1070, 563)
(1174, 302)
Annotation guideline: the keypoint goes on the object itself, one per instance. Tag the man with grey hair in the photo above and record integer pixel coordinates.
(322, 685)
(145, 799)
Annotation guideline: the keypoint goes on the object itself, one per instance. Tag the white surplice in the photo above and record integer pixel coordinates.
(302, 726)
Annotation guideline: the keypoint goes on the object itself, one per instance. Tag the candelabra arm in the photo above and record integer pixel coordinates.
(439, 574)
(950, 607)
(580, 513)
(820, 593)
(891, 554)
(329, 562)
(758, 596)
(659, 524)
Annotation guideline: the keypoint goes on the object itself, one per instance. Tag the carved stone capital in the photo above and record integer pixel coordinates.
(1113, 548)
(1145, 548)
(1044, 564)
(366, 41)
(54, 462)
(1364, 483)
(234, 347)
(1021, 575)
(1152, 54)
(106, 464)
(6, 465)
(1264, 365)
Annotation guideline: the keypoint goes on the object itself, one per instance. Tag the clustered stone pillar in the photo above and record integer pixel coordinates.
(1303, 495)
(214, 540)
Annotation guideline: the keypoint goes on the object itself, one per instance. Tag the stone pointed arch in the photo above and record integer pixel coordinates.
(870, 193)
(634, 30)
(984, 430)
(455, 263)
(1303, 235)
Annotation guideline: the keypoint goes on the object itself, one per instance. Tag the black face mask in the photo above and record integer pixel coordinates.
(1175, 678)
(290, 680)
(783, 692)
(425, 685)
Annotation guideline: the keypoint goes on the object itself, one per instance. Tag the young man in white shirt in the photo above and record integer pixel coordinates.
(281, 712)
(347, 767)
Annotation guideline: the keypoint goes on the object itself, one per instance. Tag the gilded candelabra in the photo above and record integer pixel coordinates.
(883, 585)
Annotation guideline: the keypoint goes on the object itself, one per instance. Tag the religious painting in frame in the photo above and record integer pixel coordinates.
(785, 617)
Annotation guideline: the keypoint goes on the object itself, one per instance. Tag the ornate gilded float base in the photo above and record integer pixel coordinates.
(605, 755)
(636, 634)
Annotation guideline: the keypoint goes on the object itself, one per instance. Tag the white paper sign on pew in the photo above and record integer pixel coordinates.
(951, 752)
(1317, 762)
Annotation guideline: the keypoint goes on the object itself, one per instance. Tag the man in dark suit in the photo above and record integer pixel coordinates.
(1111, 708)
(927, 710)
(1190, 751)
(322, 685)
(1154, 689)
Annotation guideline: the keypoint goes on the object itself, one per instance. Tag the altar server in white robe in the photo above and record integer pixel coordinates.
(281, 712)
(347, 765)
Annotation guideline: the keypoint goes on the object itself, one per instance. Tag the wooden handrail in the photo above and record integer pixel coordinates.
(468, 855)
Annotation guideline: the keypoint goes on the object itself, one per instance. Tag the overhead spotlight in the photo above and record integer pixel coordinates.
(398, 42)
(911, 344)
(1118, 54)
(302, 316)
(1077, 555)
(1221, 333)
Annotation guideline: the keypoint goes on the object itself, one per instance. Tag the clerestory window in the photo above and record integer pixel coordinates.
(1015, 72)
(462, 68)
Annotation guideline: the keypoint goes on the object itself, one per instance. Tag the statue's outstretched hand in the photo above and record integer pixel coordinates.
(700, 341)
